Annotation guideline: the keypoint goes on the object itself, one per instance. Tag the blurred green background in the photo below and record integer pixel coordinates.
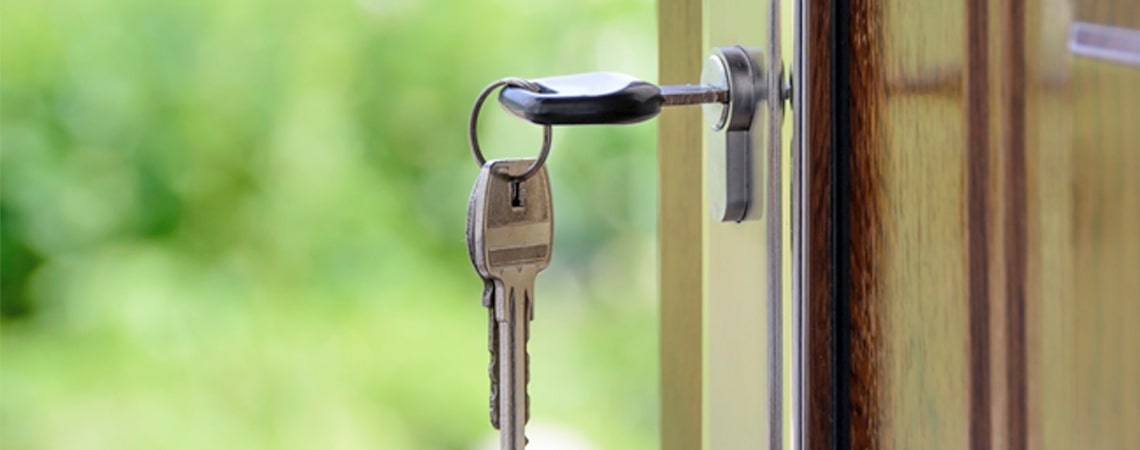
(239, 224)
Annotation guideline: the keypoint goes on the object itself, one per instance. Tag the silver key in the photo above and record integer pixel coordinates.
(510, 235)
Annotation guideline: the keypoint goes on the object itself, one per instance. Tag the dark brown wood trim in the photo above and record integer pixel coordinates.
(819, 351)
(1016, 229)
(859, 142)
(977, 209)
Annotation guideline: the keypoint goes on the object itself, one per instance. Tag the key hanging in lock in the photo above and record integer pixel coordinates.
(734, 90)
(510, 215)
(509, 236)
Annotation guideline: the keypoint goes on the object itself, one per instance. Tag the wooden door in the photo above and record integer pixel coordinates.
(966, 183)
(974, 258)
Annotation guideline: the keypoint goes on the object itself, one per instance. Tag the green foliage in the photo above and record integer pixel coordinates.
(240, 224)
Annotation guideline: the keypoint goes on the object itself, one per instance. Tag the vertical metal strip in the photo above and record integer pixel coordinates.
(799, 213)
(775, 227)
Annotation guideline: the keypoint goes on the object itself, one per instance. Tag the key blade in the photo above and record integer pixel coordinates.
(688, 94)
(515, 295)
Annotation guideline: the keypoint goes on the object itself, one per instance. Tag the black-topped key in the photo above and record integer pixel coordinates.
(601, 98)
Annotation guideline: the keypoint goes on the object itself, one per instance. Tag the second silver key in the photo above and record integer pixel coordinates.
(514, 242)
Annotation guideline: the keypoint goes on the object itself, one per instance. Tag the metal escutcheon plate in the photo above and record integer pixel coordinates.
(729, 142)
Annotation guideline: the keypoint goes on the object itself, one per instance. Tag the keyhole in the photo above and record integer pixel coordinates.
(518, 194)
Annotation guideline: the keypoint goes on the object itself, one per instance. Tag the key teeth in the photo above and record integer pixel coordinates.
(493, 365)
(526, 384)
(529, 308)
(494, 400)
(493, 413)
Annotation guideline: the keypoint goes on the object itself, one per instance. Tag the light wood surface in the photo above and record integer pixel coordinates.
(910, 157)
(1084, 236)
(680, 218)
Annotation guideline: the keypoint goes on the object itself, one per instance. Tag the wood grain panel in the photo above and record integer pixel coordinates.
(1083, 153)
(910, 173)
(975, 228)
(1105, 269)
(1049, 143)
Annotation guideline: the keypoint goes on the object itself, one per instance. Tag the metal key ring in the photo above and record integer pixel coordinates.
(471, 126)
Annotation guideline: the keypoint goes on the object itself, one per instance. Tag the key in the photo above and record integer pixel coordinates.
(601, 98)
(510, 232)
(510, 236)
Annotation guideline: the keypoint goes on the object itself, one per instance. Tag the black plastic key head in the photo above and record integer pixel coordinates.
(598, 98)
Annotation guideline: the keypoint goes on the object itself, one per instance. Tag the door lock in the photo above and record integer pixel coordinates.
(734, 90)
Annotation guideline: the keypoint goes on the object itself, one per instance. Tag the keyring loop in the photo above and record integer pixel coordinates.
(547, 132)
